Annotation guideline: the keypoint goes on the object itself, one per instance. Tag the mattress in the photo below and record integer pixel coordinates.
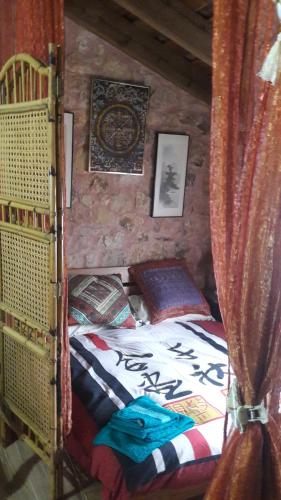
(183, 366)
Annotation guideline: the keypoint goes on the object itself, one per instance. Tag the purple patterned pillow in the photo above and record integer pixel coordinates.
(168, 289)
(99, 300)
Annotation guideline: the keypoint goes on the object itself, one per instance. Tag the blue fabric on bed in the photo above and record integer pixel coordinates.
(141, 427)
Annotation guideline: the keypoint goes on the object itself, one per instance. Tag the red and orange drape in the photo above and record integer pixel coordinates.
(246, 237)
(245, 216)
(29, 26)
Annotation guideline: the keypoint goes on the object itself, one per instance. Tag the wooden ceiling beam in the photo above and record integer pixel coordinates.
(97, 16)
(165, 17)
(182, 7)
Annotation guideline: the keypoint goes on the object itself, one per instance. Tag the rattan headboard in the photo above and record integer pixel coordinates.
(129, 286)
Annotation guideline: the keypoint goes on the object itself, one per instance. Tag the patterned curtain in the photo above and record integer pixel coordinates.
(246, 238)
(29, 26)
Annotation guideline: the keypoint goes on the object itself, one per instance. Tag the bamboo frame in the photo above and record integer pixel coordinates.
(29, 347)
(18, 86)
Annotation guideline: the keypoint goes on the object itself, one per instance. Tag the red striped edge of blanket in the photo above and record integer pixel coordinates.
(201, 448)
(98, 342)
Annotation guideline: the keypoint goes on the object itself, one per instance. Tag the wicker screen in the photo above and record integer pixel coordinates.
(28, 252)
(24, 157)
(26, 385)
(25, 276)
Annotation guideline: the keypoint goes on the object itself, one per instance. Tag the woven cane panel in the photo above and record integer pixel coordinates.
(25, 276)
(24, 158)
(27, 384)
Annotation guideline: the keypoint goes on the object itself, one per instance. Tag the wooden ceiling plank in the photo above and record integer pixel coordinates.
(142, 34)
(197, 5)
(123, 34)
(167, 20)
(184, 10)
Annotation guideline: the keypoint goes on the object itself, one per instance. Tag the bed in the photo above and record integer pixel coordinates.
(180, 363)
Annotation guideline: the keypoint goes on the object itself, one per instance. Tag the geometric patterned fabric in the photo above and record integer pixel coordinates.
(99, 300)
(168, 289)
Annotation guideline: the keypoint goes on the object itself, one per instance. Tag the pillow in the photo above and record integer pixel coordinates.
(168, 289)
(139, 309)
(141, 313)
(99, 300)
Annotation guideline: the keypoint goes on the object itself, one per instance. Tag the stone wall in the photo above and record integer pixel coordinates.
(109, 223)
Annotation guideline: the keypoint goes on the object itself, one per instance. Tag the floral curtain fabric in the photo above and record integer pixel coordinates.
(246, 238)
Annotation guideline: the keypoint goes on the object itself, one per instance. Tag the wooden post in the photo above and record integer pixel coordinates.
(56, 477)
(7, 436)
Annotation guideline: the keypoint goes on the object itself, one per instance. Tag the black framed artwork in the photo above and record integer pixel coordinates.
(171, 165)
(68, 154)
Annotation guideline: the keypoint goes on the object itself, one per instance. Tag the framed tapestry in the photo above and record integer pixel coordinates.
(117, 127)
(169, 186)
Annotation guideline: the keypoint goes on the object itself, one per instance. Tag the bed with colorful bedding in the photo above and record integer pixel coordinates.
(181, 363)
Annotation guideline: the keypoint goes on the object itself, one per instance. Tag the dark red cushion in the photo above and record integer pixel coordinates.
(99, 300)
(168, 289)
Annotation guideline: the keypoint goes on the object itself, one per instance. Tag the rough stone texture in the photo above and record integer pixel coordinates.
(109, 223)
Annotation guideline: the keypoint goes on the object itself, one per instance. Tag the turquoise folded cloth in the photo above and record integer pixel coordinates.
(142, 427)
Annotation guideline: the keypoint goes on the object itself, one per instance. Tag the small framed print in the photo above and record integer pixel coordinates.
(171, 165)
(68, 153)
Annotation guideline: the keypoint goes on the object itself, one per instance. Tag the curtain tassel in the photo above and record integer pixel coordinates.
(271, 67)
(241, 415)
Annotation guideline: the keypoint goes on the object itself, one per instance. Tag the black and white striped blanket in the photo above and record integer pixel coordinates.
(179, 365)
